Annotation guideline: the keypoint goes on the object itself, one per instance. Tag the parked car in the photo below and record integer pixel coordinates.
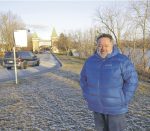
(1, 57)
(23, 59)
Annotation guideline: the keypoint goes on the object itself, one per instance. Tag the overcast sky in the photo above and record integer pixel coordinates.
(42, 16)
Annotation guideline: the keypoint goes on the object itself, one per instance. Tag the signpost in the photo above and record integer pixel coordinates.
(20, 37)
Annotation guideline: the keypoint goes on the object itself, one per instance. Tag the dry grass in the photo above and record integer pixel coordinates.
(144, 88)
(72, 64)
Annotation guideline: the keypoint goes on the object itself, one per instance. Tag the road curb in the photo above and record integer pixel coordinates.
(57, 59)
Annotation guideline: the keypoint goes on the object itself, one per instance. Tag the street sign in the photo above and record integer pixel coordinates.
(20, 37)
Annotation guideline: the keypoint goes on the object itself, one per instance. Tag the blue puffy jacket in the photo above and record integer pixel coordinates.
(108, 84)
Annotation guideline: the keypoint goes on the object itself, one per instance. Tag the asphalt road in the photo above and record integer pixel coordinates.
(47, 62)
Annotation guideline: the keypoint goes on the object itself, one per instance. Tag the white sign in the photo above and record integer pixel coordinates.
(20, 37)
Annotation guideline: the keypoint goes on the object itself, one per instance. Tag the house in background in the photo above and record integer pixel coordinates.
(54, 39)
(39, 44)
(35, 42)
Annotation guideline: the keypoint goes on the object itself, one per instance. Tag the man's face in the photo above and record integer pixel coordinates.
(104, 46)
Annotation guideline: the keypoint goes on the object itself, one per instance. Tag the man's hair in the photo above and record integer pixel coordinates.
(103, 35)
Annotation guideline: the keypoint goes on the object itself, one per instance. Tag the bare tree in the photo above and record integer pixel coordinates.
(8, 23)
(64, 43)
(142, 18)
(84, 41)
(113, 20)
(78, 41)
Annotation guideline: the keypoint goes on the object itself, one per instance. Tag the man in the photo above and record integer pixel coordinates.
(108, 81)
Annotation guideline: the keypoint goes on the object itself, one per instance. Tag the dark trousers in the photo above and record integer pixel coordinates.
(109, 122)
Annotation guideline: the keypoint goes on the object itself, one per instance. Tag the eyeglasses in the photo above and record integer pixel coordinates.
(104, 46)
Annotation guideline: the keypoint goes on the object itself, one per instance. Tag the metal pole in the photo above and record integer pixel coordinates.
(16, 78)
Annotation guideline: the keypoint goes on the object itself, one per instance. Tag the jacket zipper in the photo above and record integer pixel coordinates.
(100, 101)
